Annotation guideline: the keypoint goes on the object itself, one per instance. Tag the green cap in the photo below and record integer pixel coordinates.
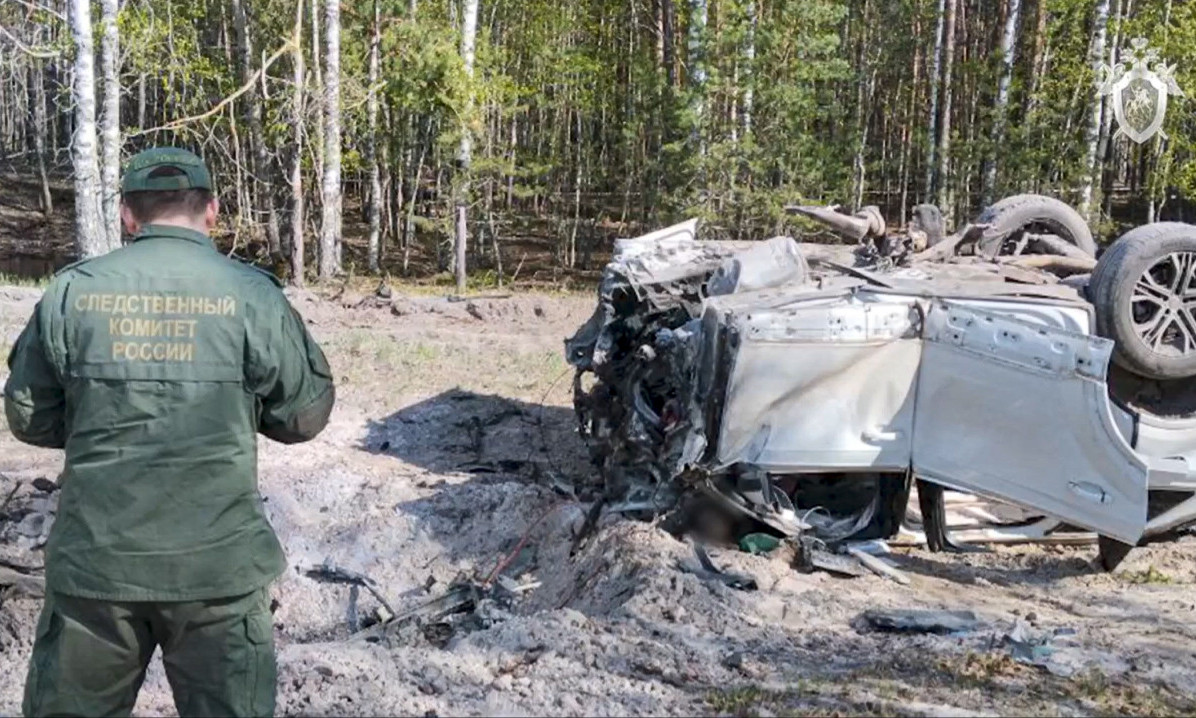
(137, 178)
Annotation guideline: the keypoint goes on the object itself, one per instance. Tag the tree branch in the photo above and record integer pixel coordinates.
(286, 47)
(32, 52)
(42, 8)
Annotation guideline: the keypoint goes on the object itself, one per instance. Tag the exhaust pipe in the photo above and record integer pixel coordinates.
(866, 222)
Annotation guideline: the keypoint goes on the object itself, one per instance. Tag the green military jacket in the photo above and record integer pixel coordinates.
(154, 367)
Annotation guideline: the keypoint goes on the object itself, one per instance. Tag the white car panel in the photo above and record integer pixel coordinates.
(824, 383)
(1019, 411)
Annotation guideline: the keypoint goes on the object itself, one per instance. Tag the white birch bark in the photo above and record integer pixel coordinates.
(696, 37)
(1013, 11)
(39, 130)
(1096, 56)
(91, 238)
(330, 226)
(1106, 125)
(375, 208)
(110, 122)
(935, 79)
(469, 31)
(946, 199)
(749, 64)
(864, 90)
(297, 209)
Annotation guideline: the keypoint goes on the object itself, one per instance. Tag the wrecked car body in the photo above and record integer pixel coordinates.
(811, 388)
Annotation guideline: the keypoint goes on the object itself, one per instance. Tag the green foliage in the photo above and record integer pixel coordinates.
(577, 121)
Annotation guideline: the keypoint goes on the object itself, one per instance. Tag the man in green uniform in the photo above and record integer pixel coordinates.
(154, 367)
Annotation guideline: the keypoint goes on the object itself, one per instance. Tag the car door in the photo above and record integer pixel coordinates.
(1019, 411)
(824, 383)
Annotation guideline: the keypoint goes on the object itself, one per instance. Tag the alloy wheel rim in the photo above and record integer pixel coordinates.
(1163, 305)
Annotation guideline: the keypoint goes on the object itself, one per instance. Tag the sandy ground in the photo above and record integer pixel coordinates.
(452, 428)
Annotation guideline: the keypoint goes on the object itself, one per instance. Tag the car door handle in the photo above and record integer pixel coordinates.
(1090, 491)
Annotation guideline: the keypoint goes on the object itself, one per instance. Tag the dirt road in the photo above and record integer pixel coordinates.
(453, 427)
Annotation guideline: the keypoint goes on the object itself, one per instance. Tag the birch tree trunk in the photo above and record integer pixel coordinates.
(1013, 9)
(749, 72)
(1157, 196)
(469, 32)
(935, 79)
(261, 194)
(375, 209)
(1096, 56)
(297, 213)
(864, 90)
(905, 161)
(946, 197)
(658, 22)
(91, 237)
(1038, 62)
(141, 100)
(330, 226)
(1106, 125)
(37, 78)
(110, 122)
(696, 37)
(668, 21)
(315, 104)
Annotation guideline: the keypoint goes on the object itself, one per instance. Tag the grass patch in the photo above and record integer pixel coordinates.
(1151, 576)
(1028, 690)
(361, 354)
(12, 280)
(978, 670)
(444, 284)
(401, 364)
(1117, 697)
(743, 701)
(831, 696)
(981, 681)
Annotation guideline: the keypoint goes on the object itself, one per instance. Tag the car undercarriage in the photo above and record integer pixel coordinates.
(816, 389)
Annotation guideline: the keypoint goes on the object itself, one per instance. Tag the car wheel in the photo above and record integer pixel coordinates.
(1013, 216)
(926, 220)
(1144, 293)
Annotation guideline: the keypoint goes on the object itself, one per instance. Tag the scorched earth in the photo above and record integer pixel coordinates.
(446, 477)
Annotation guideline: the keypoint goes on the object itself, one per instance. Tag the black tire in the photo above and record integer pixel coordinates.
(1131, 288)
(1019, 212)
(928, 218)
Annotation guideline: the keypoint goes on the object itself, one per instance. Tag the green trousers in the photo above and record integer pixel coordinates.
(89, 656)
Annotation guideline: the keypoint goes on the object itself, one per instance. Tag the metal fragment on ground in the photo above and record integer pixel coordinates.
(463, 606)
(921, 621)
(708, 571)
(812, 555)
(877, 565)
(331, 573)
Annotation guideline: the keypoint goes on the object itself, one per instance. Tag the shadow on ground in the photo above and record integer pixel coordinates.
(463, 431)
(1019, 569)
(493, 467)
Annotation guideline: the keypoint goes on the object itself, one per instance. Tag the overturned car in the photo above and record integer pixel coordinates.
(814, 388)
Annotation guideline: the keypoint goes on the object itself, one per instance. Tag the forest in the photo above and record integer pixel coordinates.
(465, 137)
